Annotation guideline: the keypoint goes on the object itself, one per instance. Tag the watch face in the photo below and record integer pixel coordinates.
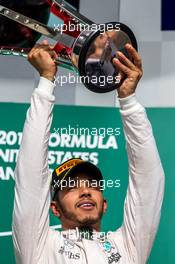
(96, 57)
(13, 34)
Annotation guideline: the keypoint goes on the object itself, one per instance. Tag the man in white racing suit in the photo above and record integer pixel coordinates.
(34, 241)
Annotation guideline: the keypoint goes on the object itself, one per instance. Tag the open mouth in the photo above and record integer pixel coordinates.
(86, 205)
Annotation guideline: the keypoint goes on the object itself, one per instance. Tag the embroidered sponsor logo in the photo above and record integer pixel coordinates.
(114, 258)
(66, 250)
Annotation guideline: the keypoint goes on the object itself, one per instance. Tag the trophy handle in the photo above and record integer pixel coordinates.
(63, 60)
(64, 11)
(64, 40)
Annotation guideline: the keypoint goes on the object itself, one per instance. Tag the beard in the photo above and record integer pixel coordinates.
(86, 221)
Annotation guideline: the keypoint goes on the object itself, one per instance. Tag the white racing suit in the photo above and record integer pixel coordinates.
(36, 243)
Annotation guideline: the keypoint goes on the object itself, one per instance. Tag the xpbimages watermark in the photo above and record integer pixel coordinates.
(72, 27)
(88, 183)
(75, 79)
(78, 234)
(94, 131)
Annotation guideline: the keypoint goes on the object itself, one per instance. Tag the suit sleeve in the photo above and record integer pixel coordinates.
(32, 178)
(144, 197)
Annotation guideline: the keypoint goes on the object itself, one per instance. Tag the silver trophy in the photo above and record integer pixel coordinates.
(80, 44)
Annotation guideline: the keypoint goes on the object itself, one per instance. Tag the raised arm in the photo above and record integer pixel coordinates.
(144, 197)
(32, 179)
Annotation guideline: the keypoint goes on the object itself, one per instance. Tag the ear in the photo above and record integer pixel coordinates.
(54, 208)
(105, 205)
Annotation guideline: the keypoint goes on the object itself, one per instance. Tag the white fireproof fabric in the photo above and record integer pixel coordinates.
(35, 242)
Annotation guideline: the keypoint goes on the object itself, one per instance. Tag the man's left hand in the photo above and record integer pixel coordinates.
(131, 70)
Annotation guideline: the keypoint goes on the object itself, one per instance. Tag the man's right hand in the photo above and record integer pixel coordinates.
(42, 57)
